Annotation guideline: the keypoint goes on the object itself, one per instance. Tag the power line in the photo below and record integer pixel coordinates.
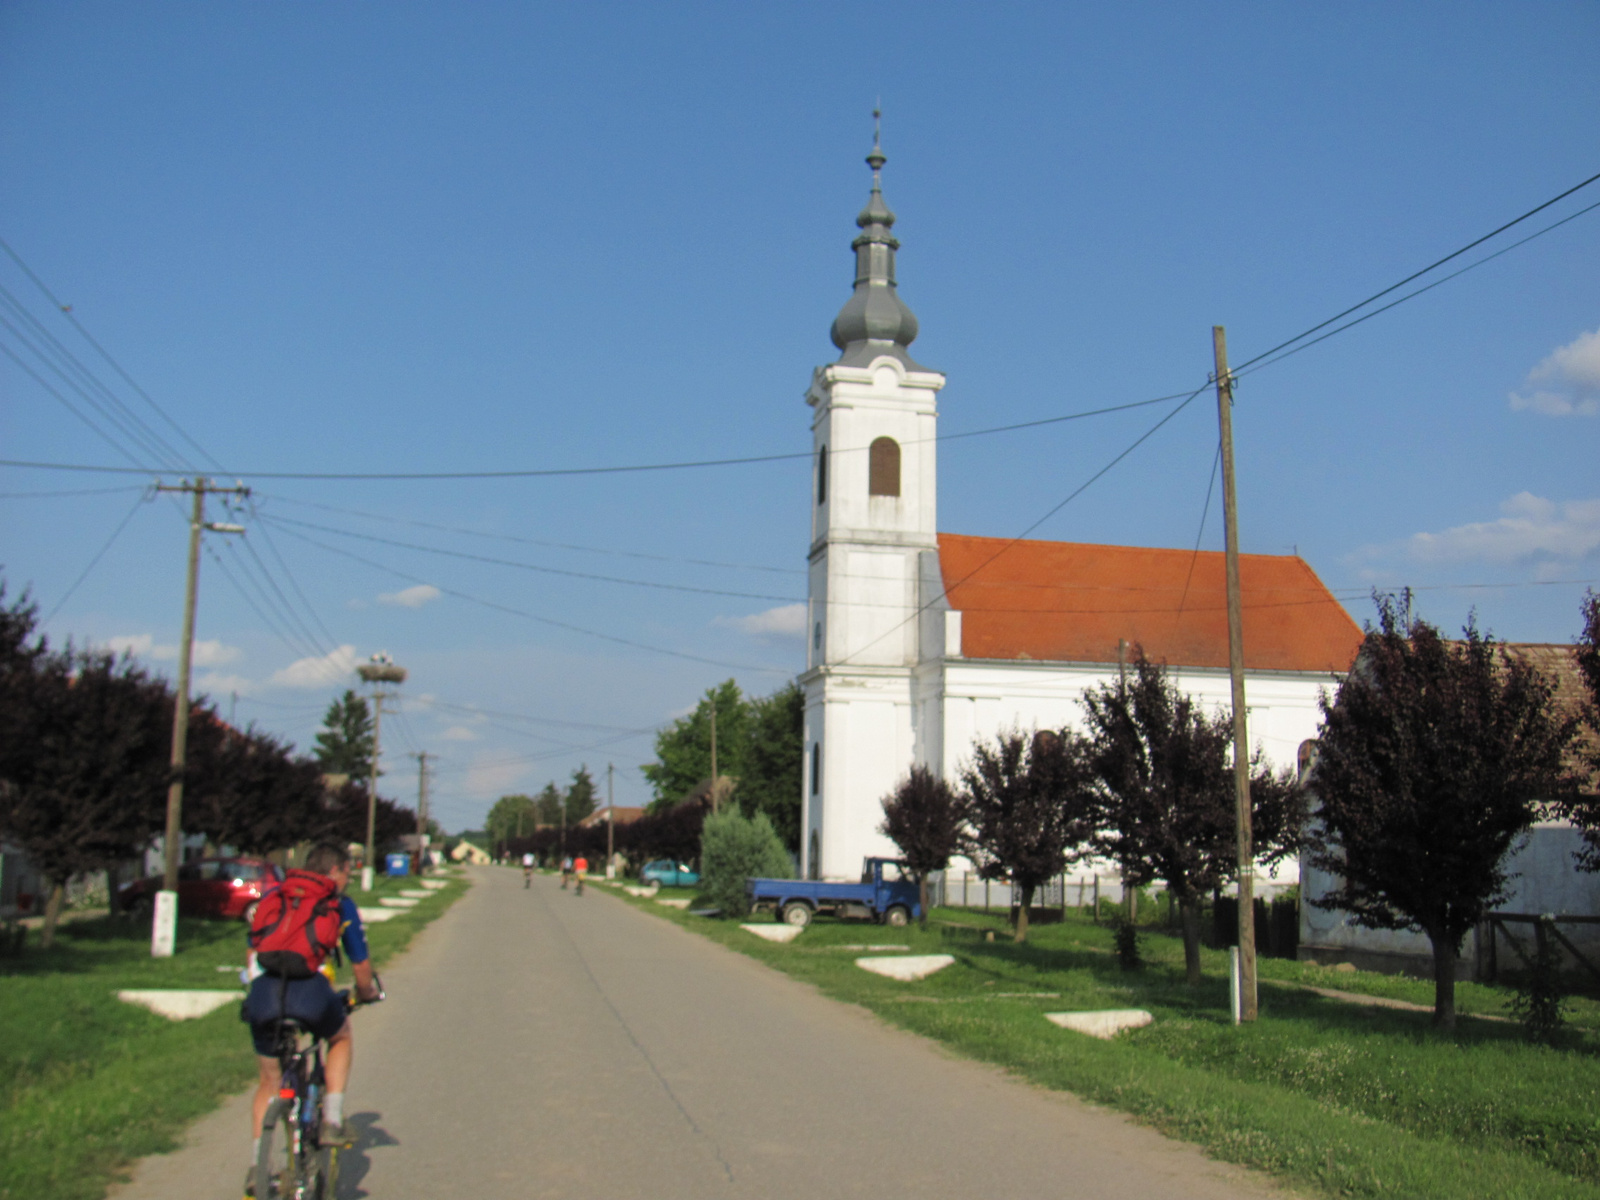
(1205, 511)
(133, 487)
(1454, 254)
(99, 554)
(517, 612)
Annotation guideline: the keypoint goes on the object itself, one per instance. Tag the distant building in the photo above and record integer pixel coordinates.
(918, 642)
(600, 815)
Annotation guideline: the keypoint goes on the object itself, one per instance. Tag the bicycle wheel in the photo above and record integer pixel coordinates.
(277, 1162)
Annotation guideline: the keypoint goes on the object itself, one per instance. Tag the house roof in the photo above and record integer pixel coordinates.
(1072, 602)
(624, 814)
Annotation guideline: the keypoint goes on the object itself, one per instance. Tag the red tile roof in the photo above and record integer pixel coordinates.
(1071, 602)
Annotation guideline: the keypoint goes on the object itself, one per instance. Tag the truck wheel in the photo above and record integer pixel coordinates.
(897, 916)
(797, 913)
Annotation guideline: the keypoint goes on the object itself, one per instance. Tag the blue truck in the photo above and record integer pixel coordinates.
(885, 894)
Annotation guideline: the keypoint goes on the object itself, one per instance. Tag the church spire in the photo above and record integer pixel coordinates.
(875, 321)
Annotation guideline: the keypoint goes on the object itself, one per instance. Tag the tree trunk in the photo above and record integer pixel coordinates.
(1444, 982)
(52, 914)
(1022, 913)
(1189, 915)
(922, 899)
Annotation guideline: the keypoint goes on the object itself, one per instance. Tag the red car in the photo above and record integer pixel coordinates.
(208, 887)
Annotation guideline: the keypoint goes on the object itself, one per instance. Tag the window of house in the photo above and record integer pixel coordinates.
(822, 476)
(883, 467)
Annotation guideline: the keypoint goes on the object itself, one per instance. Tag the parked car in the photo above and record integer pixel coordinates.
(669, 874)
(208, 887)
(885, 894)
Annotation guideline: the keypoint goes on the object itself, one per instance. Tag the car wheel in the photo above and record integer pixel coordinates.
(898, 915)
(249, 913)
(797, 913)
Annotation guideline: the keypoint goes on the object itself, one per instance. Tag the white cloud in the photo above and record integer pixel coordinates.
(211, 653)
(1531, 528)
(785, 621)
(217, 685)
(459, 733)
(1566, 383)
(411, 597)
(317, 672)
(492, 779)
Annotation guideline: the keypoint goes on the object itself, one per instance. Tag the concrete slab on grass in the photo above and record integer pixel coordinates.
(774, 933)
(180, 1005)
(1105, 1024)
(377, 916)
(416, 893)
(674, 903)
(434, 883)
(908, 969)
(396, 902)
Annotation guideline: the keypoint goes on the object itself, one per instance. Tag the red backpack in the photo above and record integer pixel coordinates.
(296, 925)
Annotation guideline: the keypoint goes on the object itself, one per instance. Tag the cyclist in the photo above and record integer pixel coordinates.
(527, 869)
(566, 871)
(310, 999)
(580, 868)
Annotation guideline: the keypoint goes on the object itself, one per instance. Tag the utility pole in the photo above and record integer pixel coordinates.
(1130, 895)
(715, 799)
(422, 810)
(611, 820)
(379, 670)
(1243, 834)
(164, 929)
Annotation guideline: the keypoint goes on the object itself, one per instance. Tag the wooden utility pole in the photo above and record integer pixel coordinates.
(163, 930)
(1130, 896)
(422, 810)
(611, 817)
(377, 671)
(1243, 834)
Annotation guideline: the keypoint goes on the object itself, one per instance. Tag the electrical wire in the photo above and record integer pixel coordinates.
(132, 487)
(99, 554)
(1205, 511)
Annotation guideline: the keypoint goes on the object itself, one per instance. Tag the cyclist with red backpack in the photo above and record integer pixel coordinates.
(297, 925)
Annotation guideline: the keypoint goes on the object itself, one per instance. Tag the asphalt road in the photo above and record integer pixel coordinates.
(539, 1044)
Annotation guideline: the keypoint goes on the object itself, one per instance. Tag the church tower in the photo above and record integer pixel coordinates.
(873, 494)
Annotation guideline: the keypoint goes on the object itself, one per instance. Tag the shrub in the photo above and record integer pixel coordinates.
(1540, 1003)
(733, 848)
(1125, 935)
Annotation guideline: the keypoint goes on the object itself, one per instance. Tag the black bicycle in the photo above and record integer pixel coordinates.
(293, 1164)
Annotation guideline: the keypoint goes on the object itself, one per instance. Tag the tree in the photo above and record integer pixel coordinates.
(733, 848)
(247, 789)
(923, 817)
(771, 780)
(580, 801)
(1164, 769)
(1582, 807)
(345, 745)
(511, 816)
(683, 749)
(550, 805)
(85, 743)
(1031, 809)
(1432, 760)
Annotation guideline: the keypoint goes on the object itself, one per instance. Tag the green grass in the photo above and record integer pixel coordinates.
(88, 1083)
(1335, 1098)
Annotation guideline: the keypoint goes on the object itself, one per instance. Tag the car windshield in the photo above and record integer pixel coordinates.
(244, 872)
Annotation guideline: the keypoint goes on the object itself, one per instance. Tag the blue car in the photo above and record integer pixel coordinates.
(669, 874)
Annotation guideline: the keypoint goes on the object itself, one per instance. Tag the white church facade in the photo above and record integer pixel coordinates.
(921, 642)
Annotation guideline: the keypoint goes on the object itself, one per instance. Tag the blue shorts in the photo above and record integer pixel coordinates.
(312, 1002)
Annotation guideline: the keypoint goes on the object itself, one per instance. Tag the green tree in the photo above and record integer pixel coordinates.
(771, 780)
(550, 805)
(683, 749)
(345, 745)
(1433, 759)
(733, 848)
(580, 800)
(924, 817)
(1582, 806)
(512, 816)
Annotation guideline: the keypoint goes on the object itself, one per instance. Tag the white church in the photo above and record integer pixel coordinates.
(921, 642)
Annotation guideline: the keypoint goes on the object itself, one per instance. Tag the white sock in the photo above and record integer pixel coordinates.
(333, 1108)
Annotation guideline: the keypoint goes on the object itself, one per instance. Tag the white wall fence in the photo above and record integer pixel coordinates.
(964, 889)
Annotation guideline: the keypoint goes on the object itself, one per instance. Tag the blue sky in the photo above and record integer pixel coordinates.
(431, 237)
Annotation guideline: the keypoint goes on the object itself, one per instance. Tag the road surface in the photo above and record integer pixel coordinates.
(538, 1045)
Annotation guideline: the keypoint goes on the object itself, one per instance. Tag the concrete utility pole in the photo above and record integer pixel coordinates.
(422, 809)
(1243, 833)
(164, 929)
(611, 820)
(379, 670)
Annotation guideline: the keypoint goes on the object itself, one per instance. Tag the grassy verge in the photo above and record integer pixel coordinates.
(88, 1083)
(1334, 1098)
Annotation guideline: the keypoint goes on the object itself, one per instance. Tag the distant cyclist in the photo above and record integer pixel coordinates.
(297, 925)
(566, 872)
(580, 868)
(527, 869)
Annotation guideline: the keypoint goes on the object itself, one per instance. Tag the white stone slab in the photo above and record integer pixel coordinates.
(634, 890)
(674, 903)
(396, 902)
(869, 946)
(1105, 1024)
(907, 969)
(434, 883)
(415, 893)
(377, 916)
(180, 1005)
(775, 933)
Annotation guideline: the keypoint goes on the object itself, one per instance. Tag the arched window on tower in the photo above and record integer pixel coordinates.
(822, 476)
(883, 467)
